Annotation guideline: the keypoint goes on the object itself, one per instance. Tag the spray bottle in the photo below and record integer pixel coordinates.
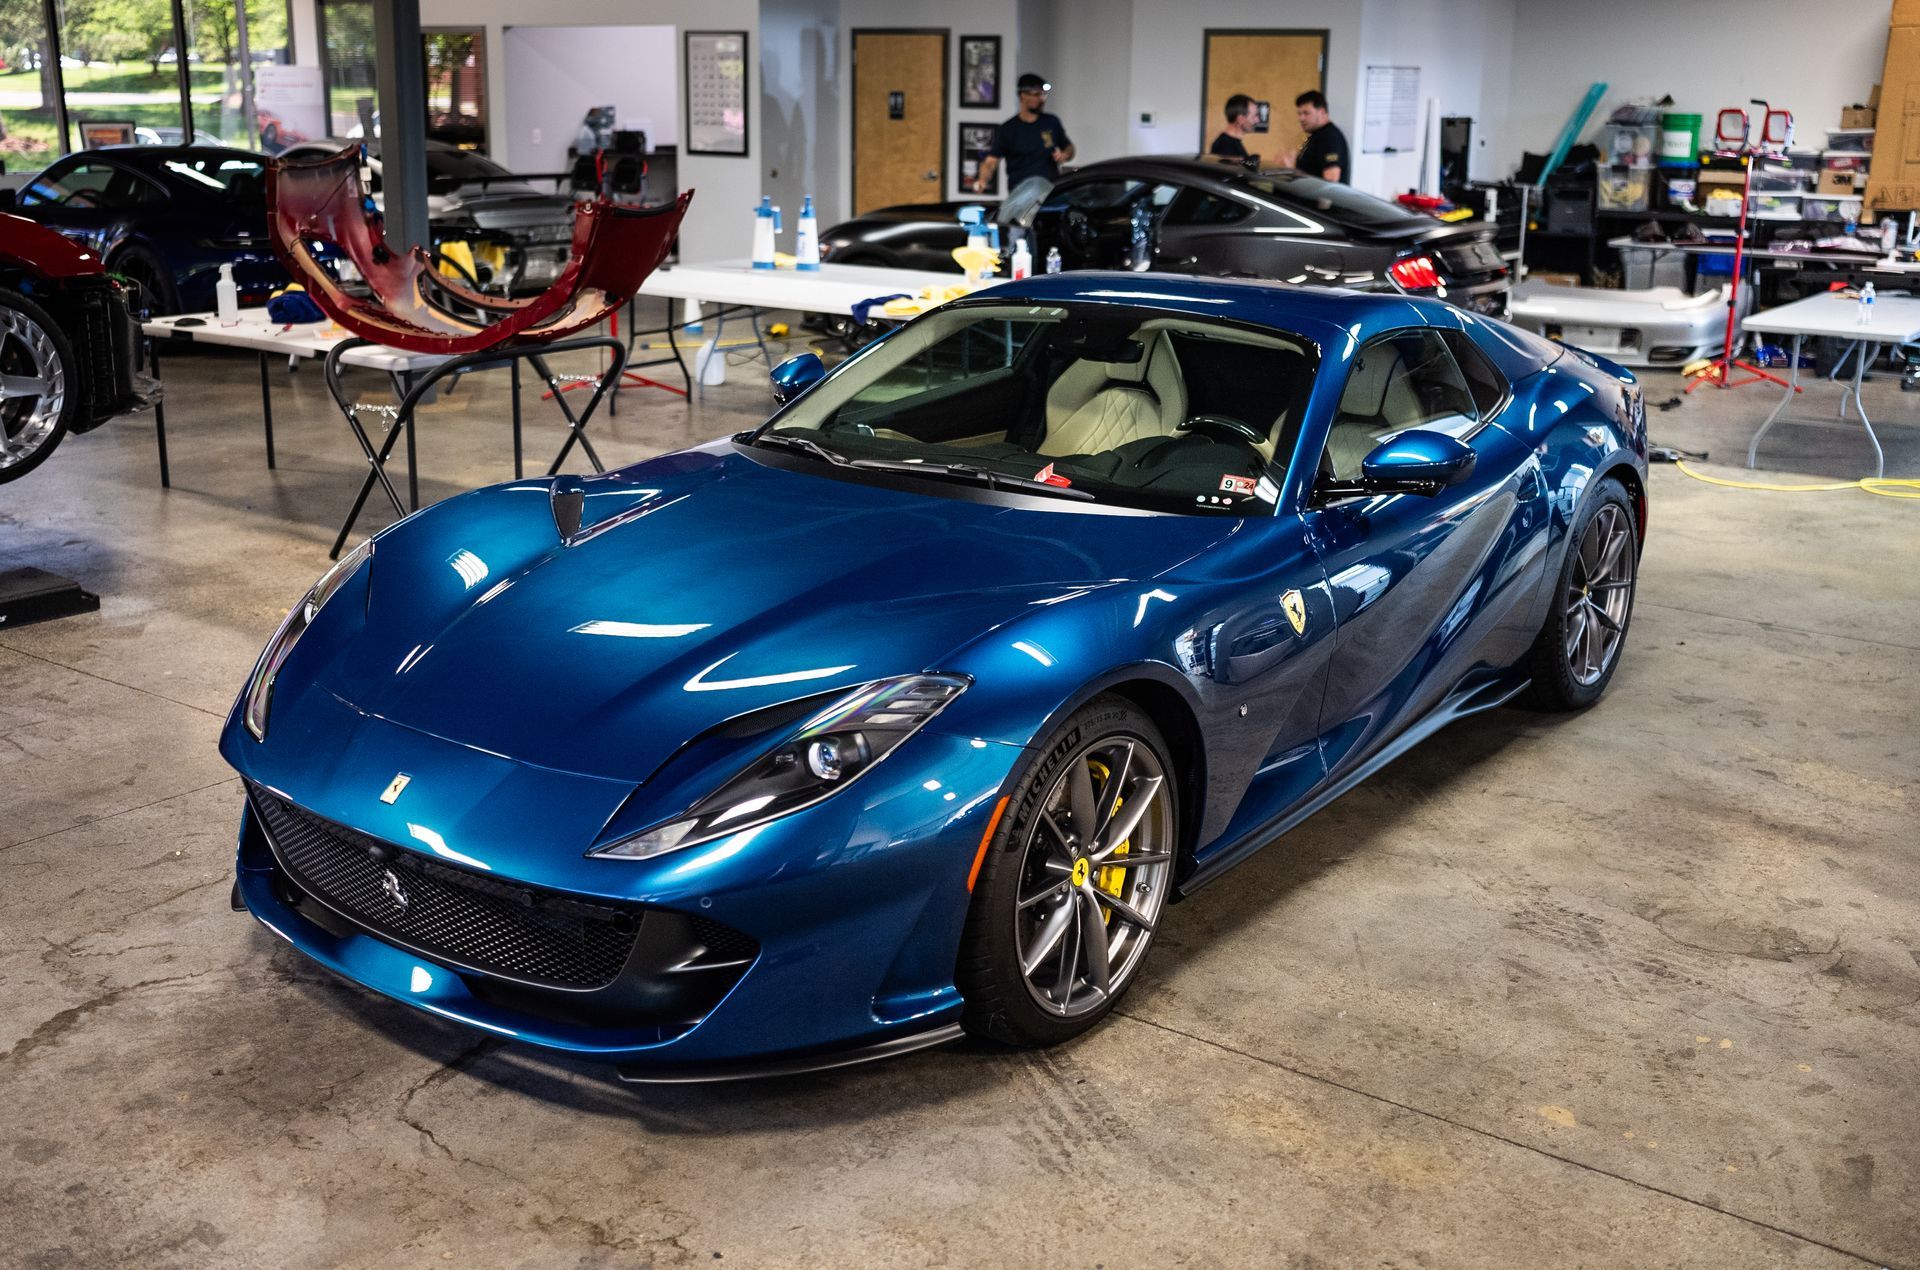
(806, 242)
(1022, 257)
(766, 223)
(226, 296)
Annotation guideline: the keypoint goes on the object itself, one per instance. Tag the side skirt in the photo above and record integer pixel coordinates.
(1488, 696)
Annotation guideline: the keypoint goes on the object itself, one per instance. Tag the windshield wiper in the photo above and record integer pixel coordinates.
(977, 475)
(804, 445)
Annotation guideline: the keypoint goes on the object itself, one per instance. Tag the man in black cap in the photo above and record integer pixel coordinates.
(1032, 143)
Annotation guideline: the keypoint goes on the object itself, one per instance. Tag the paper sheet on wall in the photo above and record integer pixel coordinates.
(716, 82)
(1390, 116)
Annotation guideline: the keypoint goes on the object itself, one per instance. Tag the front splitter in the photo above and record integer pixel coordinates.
(795, 1065)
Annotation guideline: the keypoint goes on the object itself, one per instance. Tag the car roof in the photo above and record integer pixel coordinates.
(1321, 314)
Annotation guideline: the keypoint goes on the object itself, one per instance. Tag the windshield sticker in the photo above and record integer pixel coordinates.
(1047, 476)
(1237, 484)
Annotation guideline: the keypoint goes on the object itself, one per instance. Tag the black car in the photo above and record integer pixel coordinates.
(165, 217)
(517, 237)
(1205, 216)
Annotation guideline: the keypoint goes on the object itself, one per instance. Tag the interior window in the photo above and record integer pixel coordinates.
(1199, 207)
(1487, 384)
(1098, 196)
(1404, 380)
(83, 185)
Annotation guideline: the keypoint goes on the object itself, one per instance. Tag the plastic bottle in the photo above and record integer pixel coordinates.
(226, 296)
(806, 240)
(766, 224)
(1022, 258)
(1053, 260)
(1866, 305)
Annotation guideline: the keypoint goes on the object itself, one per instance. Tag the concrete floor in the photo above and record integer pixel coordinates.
(1637, 987)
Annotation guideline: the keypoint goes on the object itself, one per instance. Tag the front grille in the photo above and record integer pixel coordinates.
(449, 914)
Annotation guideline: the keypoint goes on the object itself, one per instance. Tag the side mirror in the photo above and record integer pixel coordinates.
(1417, 462)
(795, 375)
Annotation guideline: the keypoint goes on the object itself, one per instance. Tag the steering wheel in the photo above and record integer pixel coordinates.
(1225, 428)
(1079, 232)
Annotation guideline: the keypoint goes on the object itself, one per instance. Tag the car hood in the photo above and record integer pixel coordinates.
(704, 585)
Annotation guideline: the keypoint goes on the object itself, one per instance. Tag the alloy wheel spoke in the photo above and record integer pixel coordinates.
(1611, 556)
(1070, 956)
(1129, 820)
(1576, 632)
(1093, 942)
(1591, 653)
(23, 386)
(1080, 798)
(1043, 894)
(1051, 931)
(1127, 912)
(1617, 584)
(1605, 618)
(1589, 552)
(1135, 859)
(1111, 790)
(1061, 846)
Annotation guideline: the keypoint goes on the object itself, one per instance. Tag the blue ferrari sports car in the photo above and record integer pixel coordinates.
(904, 716)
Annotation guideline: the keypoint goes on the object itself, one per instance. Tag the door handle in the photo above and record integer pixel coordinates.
(930, 176)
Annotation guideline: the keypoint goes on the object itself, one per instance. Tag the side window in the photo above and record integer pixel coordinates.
(1488, 386)
(1099, 196)
(83, 185)
(1196, 206)
(1404, 380)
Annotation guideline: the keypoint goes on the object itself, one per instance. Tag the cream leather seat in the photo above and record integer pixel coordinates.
(1377, 402)
(1097, 406)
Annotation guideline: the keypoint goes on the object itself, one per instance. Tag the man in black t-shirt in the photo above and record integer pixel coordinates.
(1032, 143)
(1239, 116)
(1325, 154)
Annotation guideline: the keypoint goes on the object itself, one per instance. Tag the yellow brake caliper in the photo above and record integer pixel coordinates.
(1110, 880)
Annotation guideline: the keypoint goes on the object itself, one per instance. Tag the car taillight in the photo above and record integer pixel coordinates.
(1415, 273)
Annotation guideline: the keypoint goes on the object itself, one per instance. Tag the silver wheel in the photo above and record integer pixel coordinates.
(1095, 876)
(33, 390)
(1599, 595)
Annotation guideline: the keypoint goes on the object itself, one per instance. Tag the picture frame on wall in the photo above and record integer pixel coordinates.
(980, 71)
(714, 75)
(976, 139)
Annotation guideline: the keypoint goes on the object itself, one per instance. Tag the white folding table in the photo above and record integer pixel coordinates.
(1894, 320)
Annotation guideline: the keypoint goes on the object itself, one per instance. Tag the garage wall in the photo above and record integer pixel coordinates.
(1167, 48)
(720, 223)
(1088, 56)
(1810, 58)
(969, 17)
(1464, 49)
(556, 72)
(801, 106)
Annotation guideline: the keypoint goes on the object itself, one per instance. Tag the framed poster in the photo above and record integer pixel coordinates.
(715, 76)
(980, 71)
(975, 140)
(98, 134)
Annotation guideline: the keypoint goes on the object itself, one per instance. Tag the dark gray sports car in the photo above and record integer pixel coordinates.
(1206, 216)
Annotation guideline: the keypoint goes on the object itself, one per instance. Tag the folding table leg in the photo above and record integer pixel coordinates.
(377, 461)
(1793, 386)
(266, 409)
(159, 416)
(1869, 351)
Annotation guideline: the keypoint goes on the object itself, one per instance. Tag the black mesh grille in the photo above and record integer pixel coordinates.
(724, 943)
(450, 914)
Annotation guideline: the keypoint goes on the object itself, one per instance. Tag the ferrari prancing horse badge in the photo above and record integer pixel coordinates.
(1296, 610)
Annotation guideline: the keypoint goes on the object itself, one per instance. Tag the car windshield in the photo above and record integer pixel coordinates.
(237, 179)
(1107, 403)
(1340, 202)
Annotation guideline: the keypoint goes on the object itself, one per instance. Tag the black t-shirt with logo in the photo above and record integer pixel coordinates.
(1229, 145)
(1326, 147)
(1027, 148)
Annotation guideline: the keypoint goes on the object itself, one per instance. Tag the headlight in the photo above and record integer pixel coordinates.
(260, 686)
(829, 752)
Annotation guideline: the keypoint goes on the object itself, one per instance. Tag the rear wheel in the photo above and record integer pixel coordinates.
(1579, 648)
(38, 396)
(158, 295)
(1074, 881)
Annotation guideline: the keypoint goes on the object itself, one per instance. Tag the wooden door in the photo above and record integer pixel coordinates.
(899, 118)
(1270, 66)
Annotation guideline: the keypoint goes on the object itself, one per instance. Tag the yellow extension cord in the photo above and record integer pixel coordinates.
(1883, 487)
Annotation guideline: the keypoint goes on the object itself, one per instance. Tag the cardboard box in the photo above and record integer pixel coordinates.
(1857, 116)
(1895, 183)
(1836, 183)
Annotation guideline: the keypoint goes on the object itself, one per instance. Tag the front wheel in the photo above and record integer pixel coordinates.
(1074, 880)
(38, 398)
(1579, 648)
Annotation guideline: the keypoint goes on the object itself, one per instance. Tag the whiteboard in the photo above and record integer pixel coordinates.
(1390, 116)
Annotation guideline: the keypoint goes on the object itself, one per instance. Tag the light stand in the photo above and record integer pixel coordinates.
(1719, 373)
